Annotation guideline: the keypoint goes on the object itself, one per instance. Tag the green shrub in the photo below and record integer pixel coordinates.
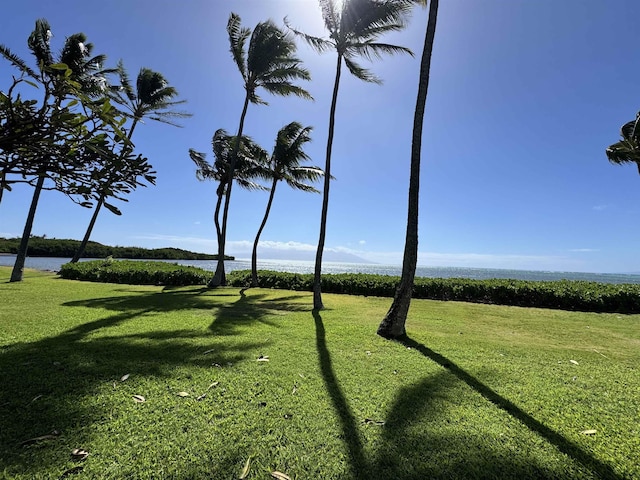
(560, 294)
(134, 272)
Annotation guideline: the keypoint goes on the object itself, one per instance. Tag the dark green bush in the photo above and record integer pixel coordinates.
(134, 272)
(561, 294)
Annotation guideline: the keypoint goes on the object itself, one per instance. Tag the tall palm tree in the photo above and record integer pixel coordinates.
(393, 324)
(152, 98)
(354, 30)
(285, 165)
(268, 63)
(627, 150)
(251, 160)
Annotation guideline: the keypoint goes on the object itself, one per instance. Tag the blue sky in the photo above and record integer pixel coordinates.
(524, 98)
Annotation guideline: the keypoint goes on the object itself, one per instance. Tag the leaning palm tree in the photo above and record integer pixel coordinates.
(285, 165)
(393, 324)
(354, 30)
(152, 98)
(268, 63)
(250, 164)
(627, 150)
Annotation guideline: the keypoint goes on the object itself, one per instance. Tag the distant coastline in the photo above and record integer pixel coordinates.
(66, 248)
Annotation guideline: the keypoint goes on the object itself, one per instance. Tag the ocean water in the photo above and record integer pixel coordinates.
(298, 266)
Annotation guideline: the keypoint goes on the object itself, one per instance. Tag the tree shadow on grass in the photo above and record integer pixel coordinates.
(44, 382)
(601, 469)
(452, 452)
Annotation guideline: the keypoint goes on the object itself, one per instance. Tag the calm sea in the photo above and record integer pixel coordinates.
(46, 263)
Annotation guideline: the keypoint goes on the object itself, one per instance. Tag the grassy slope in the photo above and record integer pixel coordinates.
(507, 403)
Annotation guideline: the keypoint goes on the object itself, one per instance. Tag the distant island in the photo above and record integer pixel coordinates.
(63, 248)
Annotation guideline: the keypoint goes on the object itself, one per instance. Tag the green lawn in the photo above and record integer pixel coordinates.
(477, 391)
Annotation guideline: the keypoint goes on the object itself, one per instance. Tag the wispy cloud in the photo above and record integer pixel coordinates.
(362, 242)
(600, 208)
(584, 250)
(425, 258)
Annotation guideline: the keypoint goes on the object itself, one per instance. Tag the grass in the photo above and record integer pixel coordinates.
(477, 391)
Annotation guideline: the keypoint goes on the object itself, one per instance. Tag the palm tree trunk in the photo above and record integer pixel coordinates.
(87, 234)
(18, 266)
(216, 214)
(219, 278)
(254, 254)
(317, 277)
(393, 324)
(3, 178)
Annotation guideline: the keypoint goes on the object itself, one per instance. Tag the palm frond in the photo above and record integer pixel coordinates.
(39, 42)
(360, 17)
(301, 186)
(370, 50)
(285, 89)
(17, 62)
(320, 45)
(125, 82)
(360, 72)
(237, 38)
(330, 15)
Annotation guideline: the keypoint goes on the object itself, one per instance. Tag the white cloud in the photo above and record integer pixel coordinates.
(428, 259)
(583, 250)
(362, 242)
(600, 208)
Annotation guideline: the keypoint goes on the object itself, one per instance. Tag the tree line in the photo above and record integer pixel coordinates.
(40, 246)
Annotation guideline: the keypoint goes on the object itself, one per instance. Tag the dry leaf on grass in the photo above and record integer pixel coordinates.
(183, 394)
(124, 377)
(201, 397)
(51, 436)
(37, 397)
(79, 454)
(214, 384)
(574, 362)
(370, 421)
(208, 351)
(589, 432)
(245, 470)
(263, 358)
(139, 398)
(280, 476)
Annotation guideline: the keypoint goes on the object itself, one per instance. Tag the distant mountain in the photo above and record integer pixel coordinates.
(305, 255)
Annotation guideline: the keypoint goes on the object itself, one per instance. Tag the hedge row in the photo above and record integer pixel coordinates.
(561, 294)
(135, 272)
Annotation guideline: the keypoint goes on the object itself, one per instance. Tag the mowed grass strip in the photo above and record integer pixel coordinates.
(477, 391)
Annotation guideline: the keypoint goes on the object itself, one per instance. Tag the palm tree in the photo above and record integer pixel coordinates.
(627, 150)
(285, 165)
(354, 30)
(250, 164)
(393, 324)
(268, 63)
(153, 98)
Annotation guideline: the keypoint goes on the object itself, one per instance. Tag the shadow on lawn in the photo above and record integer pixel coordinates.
(403, 443)
(42, 381)
(563, 444)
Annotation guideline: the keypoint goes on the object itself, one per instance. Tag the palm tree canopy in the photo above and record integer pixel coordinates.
(354, 30)
(268, 62)
(287, 155)
(152, 97)
(627, 150)
(251, 162)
